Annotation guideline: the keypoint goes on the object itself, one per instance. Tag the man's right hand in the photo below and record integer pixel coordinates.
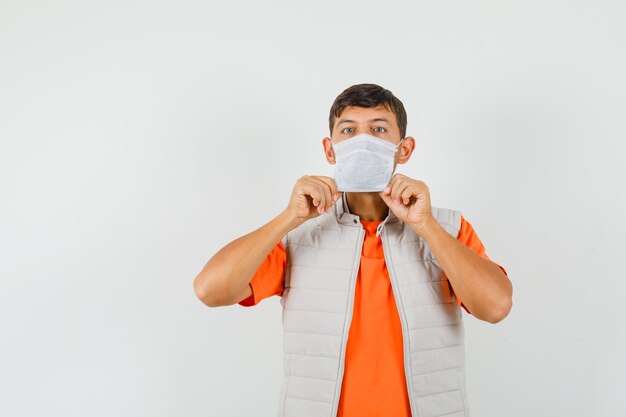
(312, 196)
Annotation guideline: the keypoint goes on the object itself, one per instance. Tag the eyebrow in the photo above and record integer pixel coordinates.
(378, 119)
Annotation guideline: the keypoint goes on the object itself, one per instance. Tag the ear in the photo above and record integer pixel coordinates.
(328, 150)
(406, 149)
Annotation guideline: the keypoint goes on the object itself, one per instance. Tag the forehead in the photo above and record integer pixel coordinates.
(363, 114)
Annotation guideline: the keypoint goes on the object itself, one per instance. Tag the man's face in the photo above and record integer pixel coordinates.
(376, 121)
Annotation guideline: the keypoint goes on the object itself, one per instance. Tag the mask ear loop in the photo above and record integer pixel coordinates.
(395, 164)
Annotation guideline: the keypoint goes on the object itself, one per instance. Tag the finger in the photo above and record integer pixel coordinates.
(407, 194)
(387, 190)
(328, 192)
(399, 191)
(322, 197)
(325, 194)
(398, 184)
(311, 190)
(333, 186)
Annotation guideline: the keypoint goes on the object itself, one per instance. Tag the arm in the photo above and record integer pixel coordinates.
(481, 284)
(225, 279)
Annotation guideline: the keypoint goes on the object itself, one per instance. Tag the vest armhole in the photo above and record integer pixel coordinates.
(287, 270)
(450, 218)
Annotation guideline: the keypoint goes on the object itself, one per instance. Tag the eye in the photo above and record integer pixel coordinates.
(379, 129)
(348, 130)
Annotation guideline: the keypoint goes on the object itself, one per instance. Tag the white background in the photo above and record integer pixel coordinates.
(139, 137)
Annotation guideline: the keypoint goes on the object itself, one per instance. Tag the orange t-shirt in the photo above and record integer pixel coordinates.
(374, 382)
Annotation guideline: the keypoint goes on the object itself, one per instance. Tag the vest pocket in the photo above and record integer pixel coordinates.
(460, 373)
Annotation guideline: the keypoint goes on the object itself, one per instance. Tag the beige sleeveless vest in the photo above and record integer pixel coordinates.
(323, 257)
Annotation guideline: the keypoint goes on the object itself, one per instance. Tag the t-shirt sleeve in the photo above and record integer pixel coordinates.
(269, 278)
(467, 236)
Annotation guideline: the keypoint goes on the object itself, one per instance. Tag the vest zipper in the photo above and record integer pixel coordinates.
(346, 327)
(403, 320)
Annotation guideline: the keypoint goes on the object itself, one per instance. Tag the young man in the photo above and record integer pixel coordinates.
(371, 277)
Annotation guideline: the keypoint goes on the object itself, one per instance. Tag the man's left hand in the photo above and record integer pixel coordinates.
(409, 200)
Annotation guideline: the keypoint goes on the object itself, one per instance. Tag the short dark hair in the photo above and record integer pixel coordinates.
(368, 95)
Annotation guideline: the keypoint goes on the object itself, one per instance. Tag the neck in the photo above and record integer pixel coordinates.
(368, 206)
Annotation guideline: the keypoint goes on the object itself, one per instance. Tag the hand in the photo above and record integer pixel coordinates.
(312, 196)
(409, 200)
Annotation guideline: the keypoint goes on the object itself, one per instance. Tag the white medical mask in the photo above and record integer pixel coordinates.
(363, 163)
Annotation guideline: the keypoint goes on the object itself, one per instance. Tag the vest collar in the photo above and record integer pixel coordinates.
(343, 215)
